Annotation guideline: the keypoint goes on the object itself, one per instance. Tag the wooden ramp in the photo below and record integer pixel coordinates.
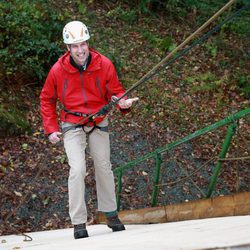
(213, 233)
(214, 223)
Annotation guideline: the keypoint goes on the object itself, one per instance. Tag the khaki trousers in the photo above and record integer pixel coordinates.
(75, 141)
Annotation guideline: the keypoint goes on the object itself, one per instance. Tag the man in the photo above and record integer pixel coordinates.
(83, 81)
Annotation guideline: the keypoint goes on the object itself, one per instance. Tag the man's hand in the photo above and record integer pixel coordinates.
(54, 137)
(125, 104)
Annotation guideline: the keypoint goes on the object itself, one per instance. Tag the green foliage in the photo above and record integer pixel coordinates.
(240, 24)
(212, 49)
(12, 120)
(243, 82)
(82, 9)
(166, 44)
(177, 8)
(204, 82)
(30, 31)
(154, 6)
(201, 10)
(116, 61)
(144, 6)
(163, 43)
(127, 15)
(12, 110)
(223, 63)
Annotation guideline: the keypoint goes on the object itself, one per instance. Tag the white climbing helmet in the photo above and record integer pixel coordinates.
(75, 32)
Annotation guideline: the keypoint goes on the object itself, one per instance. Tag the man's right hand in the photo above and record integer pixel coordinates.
(54, 137)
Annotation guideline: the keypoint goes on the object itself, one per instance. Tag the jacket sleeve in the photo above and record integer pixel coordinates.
(114, 87)
(48, 100)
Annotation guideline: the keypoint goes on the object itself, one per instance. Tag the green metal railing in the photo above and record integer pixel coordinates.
(231, 120)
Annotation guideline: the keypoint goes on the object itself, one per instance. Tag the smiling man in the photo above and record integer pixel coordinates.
(83, 81)
(79, 52)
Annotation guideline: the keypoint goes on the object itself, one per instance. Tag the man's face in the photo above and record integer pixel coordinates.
(79, 52)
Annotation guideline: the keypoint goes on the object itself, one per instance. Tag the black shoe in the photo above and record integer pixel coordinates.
(114, 223)
(80, 231)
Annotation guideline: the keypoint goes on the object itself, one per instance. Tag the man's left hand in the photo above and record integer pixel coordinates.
(127, 103)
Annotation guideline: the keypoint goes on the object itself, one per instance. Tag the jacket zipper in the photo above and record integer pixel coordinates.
(83, 92)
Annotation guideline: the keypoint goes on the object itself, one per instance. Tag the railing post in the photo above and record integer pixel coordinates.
(156, 179)
(119, 189)
(230, 133)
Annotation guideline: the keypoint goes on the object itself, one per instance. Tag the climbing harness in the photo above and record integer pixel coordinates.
(74, 113)
(88, 132)
(90, 123)
(89, 120)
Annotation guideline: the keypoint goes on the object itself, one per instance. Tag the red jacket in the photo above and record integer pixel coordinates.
(86, 92)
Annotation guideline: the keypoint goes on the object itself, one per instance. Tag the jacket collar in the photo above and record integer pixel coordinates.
(94, 63)
(82, 67)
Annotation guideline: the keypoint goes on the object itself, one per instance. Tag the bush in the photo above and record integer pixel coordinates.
(202, 9)
(243, 83)
(12, 120)
(30, 31)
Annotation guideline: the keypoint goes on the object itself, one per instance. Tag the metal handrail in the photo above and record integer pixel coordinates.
(119, 171)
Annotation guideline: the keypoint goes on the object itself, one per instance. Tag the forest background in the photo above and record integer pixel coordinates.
(208, 84)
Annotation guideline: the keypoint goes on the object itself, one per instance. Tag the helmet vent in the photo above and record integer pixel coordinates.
(72, 35)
